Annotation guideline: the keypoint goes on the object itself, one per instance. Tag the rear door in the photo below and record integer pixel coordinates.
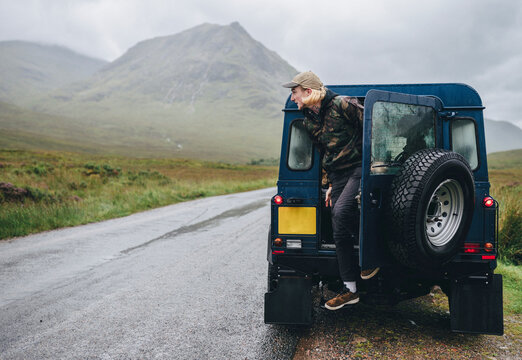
(296, 220)
(395, 126)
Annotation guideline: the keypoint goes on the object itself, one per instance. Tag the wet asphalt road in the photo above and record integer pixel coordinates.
(182, 282)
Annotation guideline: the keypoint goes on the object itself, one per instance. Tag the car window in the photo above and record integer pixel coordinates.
(399, 130)
(300, 147)
(464, 140)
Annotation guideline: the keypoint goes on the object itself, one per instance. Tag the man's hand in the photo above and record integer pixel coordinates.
(328, 201)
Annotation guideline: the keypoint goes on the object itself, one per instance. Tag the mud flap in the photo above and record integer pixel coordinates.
(290, 303)
(476, 305)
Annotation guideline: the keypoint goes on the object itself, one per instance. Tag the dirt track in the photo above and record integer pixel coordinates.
(414, 329)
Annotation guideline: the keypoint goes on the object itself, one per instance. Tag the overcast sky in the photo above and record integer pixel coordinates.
(478, 42)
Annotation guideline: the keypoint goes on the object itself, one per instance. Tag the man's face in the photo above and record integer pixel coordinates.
(298, 93)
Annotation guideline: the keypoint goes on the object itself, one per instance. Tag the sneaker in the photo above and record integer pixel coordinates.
(344, 298)
(368, 274)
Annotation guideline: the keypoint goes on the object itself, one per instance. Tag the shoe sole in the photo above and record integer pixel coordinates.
(372, 274)
(351, 302)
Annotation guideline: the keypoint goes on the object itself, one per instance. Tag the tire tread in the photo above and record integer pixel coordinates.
(406, 190)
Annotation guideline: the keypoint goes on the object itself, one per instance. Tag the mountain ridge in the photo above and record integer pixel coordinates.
(182, 71)
(209, 92)
(29, 69)
(502, 136)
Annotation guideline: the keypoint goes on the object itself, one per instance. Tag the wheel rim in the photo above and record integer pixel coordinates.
(444, 213)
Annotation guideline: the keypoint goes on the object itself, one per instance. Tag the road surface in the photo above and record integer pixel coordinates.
(181, 282)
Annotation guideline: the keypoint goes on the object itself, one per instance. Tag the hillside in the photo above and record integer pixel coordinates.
(29, 69)
(502, 136)
(30, 130)
(208, 63)
(210, 92)
(505, 160)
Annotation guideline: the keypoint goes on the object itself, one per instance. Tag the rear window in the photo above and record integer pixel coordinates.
(300, 147)
(399, 130)
(464, 140)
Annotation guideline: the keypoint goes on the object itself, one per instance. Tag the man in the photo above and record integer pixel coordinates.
(334, 123)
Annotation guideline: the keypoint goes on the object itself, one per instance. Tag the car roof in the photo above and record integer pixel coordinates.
(452, 95)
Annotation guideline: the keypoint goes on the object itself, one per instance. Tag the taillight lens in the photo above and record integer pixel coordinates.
(278, 242)
(488, 201)
(471, 248)
(488, 247)
(278, 200)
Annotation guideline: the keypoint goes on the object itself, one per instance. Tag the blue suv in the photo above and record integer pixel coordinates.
(426, 216)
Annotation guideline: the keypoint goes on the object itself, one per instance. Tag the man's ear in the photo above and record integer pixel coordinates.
(308, 92)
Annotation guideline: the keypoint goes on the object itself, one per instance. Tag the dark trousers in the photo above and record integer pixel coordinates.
(345, 218)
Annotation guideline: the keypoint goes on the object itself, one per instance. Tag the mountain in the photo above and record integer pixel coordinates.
(502, 136)
(206, 63)
(29, 69)
(209, 92)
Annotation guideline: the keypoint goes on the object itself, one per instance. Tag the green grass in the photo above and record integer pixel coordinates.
(505, 175)
(505, 160)
(512, 281)
(49, 190)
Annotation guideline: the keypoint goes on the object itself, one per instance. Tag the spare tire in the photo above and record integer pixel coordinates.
(431, 208)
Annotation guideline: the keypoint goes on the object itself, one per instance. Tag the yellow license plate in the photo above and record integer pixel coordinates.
(297, 220)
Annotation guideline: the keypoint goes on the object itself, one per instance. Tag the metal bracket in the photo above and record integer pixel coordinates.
(448, 115)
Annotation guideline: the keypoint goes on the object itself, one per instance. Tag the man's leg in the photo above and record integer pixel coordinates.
(345, 218)
(345, 186)
(345, 224)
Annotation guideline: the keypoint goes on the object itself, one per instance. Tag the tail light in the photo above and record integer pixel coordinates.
(278, 200)
(488, 247)
(488, 202)
(278, 242)
(471, 248)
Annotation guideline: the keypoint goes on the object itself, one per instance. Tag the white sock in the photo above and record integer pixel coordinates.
(351, 285)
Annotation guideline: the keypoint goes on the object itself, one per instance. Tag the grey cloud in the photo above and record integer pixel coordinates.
(471, 41)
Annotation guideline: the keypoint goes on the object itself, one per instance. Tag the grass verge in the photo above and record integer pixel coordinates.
(507, 190)
(47, 190)
(512, 281)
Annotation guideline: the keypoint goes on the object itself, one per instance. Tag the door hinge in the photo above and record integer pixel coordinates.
(448, 115)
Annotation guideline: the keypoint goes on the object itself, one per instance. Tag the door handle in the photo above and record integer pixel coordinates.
(375, 198)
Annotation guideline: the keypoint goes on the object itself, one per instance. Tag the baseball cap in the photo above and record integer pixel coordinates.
(307, 80)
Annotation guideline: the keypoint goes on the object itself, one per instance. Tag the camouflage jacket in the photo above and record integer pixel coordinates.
(337, 130)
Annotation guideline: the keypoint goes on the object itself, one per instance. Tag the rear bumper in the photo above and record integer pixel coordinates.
(326, 265)
(310, 265)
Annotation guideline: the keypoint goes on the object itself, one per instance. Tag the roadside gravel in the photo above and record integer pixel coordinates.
(414, 329)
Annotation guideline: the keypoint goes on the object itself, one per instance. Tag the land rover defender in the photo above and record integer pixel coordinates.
(426, 215)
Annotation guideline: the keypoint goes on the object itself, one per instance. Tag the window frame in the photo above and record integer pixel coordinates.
(290, 127)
